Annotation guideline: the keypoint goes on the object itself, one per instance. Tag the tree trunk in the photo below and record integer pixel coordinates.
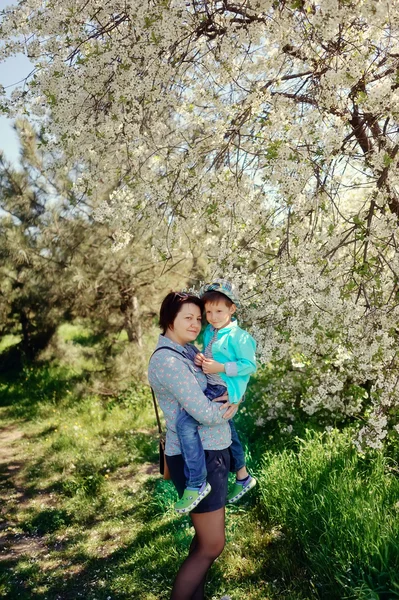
(34, 341)
(131, 317)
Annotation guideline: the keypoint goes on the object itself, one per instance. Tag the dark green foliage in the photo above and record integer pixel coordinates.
(136, 397)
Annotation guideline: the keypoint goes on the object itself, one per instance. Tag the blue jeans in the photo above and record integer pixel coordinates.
(191, 445)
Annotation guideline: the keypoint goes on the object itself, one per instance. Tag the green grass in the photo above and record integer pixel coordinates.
(342, 509)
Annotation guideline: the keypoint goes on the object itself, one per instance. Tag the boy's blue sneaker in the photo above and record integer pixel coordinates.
(240, 488)
(191, 498)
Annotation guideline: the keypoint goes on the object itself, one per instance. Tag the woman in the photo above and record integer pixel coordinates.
(177, 383)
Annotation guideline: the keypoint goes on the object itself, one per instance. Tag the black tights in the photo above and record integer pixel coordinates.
(206, 546)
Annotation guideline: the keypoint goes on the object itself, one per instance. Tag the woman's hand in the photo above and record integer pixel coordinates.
(231, 408)
(210, 366)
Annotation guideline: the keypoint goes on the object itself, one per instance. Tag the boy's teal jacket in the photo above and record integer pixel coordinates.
(234, 348)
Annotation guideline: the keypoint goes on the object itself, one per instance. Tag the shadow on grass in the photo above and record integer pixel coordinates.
(23, 390)
(280, 569)
(146, 565)
(48, 566)
(88, 340)
(90, 471)
(143, 568)
(47, 521)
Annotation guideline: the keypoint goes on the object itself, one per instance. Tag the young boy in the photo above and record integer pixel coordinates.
(228, 361)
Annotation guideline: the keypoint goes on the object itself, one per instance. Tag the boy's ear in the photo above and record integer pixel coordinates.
(233, 309)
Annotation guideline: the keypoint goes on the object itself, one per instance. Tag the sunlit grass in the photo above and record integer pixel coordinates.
(7, 341)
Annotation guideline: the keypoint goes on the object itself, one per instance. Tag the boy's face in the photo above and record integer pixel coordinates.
(218, 314)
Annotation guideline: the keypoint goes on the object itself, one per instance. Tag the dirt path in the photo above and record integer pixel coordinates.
(13, 543)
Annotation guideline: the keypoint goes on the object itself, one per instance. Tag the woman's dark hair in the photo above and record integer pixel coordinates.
(171, 306)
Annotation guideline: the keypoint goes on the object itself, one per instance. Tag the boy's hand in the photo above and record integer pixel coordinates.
(198, 359)
(210, 366)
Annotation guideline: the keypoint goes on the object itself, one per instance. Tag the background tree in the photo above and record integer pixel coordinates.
(58, 264)
(275, 122)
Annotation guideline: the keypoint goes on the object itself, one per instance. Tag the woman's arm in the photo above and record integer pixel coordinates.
(175, 376)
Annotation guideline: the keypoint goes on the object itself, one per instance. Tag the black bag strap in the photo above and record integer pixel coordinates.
(156, 412)
(167, 348)
(152, 391)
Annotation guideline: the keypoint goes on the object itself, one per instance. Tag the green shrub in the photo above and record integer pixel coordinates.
(136, 397)
(47, 521)
(87, 479)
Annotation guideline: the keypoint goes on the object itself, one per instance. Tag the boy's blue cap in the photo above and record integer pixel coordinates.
(224, 287)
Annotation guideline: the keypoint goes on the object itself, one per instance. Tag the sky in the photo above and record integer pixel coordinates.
(11, 72)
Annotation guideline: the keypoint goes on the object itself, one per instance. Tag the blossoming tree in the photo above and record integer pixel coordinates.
(273, 122)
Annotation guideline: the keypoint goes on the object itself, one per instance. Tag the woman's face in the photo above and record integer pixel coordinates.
(187, 324)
